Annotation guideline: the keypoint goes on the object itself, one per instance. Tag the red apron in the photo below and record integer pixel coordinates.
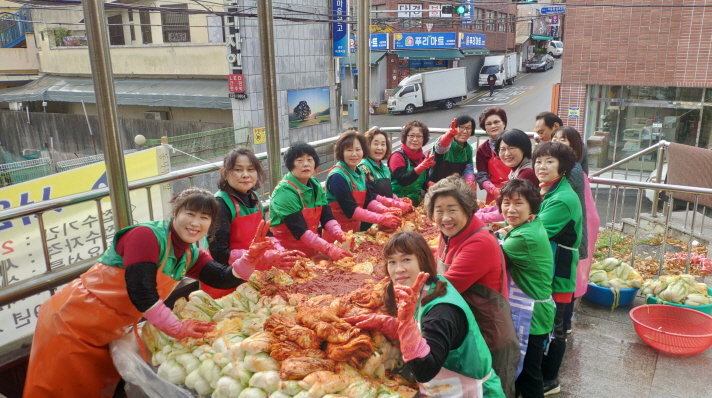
(311, 216)
(499, 174)
(347, 224)
(70, 350)
(242, 231)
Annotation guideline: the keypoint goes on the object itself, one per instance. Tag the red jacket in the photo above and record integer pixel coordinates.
(473, 258)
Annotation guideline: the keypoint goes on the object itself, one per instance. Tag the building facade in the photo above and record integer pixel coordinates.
(635, 76)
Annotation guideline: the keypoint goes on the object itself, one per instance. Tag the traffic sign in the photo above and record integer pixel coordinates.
(552, 10)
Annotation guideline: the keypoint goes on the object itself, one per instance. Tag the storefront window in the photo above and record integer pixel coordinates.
(408, 67)
(632, 118)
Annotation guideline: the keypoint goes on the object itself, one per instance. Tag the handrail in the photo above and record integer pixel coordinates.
(634, 156)
(651, 185)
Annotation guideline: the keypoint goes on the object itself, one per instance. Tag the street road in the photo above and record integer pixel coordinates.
(530, 95)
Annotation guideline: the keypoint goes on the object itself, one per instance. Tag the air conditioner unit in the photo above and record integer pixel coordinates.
(15, 106)
(156, 115)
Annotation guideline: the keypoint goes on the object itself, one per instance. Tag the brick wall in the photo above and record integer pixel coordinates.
(641, 46)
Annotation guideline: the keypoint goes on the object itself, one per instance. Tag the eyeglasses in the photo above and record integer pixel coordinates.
(465, 128)
(414, 137)
(509, 150)
(493, 123)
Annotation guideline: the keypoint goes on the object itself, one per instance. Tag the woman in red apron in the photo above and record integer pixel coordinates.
(298, 206)
(70, 348)
(470, 258)
(492, 173)
(351, 201)
(439, 337)
(239, 214)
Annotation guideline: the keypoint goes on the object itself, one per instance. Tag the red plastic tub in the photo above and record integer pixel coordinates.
(671, 329)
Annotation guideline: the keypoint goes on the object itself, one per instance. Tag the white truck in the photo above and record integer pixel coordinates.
(441, 88)
(502, 66)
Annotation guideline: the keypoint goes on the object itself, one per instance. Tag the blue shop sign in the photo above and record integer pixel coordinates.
(340, 35)
(552, 10)
(409, 41)
(472, 40)
(379, 41)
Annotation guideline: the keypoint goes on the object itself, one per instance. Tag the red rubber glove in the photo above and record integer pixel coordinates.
(245, 265)
(427, 163)
(446, 139)
(334, 252)
(412, 343)
(282, 259)
(161, 317)
(385, 324)
(387, 220)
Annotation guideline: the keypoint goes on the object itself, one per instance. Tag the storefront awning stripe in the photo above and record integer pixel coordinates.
(444, 54)
(376, 56)
(542, 37)
(475, 51)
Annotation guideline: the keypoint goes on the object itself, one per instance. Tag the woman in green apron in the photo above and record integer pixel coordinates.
(453, 154)
(530, 265)
(352, 203)
(409, 163)
(239, 214)
(298, 207)
(439, 337)
(561, 216)
(377, 173)
(470, 258)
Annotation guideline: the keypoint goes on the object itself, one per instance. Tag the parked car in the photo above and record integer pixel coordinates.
(542, 62)
(555, 48)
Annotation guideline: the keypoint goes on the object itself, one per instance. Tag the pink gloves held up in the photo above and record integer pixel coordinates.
(313, 240)
(385, 324)
(387, 220)
(412, 343)
(446, 139)
(427, 163)
(161, 317)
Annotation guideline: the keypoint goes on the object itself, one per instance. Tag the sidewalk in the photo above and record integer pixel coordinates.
(606, 358)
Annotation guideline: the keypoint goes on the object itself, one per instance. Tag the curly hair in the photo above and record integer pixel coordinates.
(199, 200)
(409, 126)
(297, 150)
(347, 141)
(229, 163)
(455, 187)
(525, 189)
(414, 244)
(371, 134)
(493, 111)
(562, 152)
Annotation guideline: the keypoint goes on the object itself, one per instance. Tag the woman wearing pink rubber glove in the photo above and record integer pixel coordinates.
(377, 173)
(439, 338)
(354, 205)
(453, 154)
(144, 264)
(239, 215)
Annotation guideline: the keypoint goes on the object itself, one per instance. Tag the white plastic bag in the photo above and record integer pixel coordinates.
(141, 379)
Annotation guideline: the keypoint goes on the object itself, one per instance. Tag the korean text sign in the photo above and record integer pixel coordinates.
(406, 41)
(472, 40)
(340, 29)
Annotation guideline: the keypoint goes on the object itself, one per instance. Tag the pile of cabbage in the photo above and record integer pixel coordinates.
(234, 362)
(678, 289)
(616, 275)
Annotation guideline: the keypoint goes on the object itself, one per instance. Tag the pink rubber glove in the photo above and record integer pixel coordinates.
(490, 188)
(235, 255)
(377, 207)
(332, 251)
(275, 243)
(404, 200)
(282, 259)
(489, 214)
(405, 207)
(427, 163)
(161, 317)
(469, 178)
(245, 265)
(446, 139)
(334, 228)
(387, 220)
(385, 324)
(412, 343)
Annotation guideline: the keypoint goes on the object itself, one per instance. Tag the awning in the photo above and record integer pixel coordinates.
(521, 39)
(475, 51)
(376, 56)
(445, 54)
(542, 37)
(185, 93)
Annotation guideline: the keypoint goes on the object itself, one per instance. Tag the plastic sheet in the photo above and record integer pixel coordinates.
(140, 377)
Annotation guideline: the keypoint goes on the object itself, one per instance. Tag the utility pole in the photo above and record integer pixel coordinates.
(269, 91)
(102, 75)
(363, 25)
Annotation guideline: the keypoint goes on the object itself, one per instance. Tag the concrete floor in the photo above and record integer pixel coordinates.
(606, 358)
